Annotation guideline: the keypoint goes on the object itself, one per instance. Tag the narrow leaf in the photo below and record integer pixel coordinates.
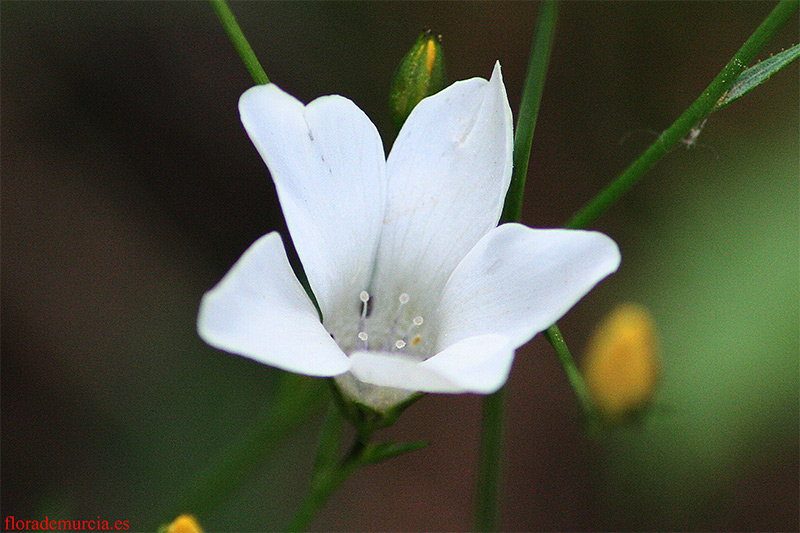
(758, 74)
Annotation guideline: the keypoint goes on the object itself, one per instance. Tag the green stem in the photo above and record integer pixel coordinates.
(529, 109)
(691, 117)
(250, 61)
(329, 474)
(486, 508)
(553, 335)
(239, 41)
(490, 461)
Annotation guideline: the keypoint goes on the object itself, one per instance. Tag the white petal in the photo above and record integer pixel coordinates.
(518, 281)
(328, 165)
(478, 364)
(260, 311)
(394, 370)
(447, 173)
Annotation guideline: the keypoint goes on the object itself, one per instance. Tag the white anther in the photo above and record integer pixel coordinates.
(403, 299)
(418, 321)
(363, 336)
(400, 344)
(363, 296)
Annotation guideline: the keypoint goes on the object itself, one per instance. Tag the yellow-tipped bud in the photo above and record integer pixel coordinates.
(183, 524)
(421, 73)
(622, 365)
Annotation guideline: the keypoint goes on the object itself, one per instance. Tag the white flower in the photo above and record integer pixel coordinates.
(418, 288)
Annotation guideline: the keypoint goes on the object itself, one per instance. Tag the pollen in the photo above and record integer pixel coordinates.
(416, 340)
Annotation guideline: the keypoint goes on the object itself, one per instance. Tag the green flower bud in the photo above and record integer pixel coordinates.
(421, 73)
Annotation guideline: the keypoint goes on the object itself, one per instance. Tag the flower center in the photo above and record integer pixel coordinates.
(399, 331)
(395, 325)
(388, 322)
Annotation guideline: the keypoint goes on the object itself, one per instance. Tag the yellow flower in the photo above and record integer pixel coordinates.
(184, 524)
(621, 365)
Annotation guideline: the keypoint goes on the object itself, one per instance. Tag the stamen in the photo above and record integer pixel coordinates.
(418, 320)
(400, 344)
(362, 335)
(364, 297)
(403, 299)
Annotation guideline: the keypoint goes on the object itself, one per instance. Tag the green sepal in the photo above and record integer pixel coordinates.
(377, 453)
(363, 417)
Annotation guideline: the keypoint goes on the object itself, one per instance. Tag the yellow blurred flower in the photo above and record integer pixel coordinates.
(184, 524)
(621, 365)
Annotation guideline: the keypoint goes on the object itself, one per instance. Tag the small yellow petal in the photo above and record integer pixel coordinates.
(184, 524)
(622, 365)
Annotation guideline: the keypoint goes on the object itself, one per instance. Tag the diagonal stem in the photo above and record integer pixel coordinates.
(239, 41)
(553, 335)
(696, 112)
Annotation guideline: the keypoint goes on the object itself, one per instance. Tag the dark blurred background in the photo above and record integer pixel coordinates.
(129, 187)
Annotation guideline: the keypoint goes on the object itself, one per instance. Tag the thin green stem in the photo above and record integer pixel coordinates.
(250, 61)
(553, 335)
(489, 475)
(688, 120)
(329, 473)
(541, 49)
(239, 41)
(488, 490)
